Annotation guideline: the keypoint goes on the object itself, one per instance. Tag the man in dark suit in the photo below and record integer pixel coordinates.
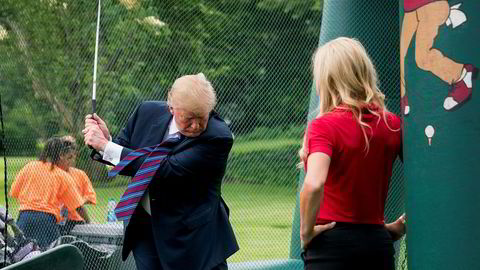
(181, 221)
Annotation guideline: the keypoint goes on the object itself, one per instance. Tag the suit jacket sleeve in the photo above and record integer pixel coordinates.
(122, 139)
(206, 156)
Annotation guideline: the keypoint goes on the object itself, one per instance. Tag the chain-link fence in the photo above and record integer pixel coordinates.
(257, 53)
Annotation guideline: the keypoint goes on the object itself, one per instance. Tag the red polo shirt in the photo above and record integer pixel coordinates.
(357, 183)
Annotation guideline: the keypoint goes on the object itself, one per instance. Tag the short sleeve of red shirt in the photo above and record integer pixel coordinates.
(320, 137)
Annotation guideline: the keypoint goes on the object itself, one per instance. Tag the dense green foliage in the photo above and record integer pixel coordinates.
(255, 52)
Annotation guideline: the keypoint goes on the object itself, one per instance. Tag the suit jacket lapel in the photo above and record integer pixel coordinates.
(162, 126)
(183, 144)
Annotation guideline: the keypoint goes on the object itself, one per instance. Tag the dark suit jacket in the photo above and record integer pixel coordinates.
(190, 219)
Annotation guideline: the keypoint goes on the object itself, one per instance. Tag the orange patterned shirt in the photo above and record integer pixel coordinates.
(84, 188)
(38, 187)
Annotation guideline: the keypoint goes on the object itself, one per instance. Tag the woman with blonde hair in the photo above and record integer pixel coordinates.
(348, 155)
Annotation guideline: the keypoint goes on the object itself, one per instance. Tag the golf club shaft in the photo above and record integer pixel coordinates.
(94, 90)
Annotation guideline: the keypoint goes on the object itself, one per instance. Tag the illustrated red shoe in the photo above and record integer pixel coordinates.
(404, 105)
(462, 90)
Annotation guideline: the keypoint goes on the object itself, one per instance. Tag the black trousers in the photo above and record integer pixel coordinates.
(351, 246)
(144, 250)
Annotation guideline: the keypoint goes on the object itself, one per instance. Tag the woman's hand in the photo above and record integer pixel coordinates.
(306, 237)
(303, 153)
(398, 228)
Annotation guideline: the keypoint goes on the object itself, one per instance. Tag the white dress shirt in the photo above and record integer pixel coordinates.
(113, 153)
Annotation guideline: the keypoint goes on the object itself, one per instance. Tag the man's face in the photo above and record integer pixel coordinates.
(189, 123)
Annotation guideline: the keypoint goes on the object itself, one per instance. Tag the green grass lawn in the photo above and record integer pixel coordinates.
(260, 190)
(262, 220)
(261, 215)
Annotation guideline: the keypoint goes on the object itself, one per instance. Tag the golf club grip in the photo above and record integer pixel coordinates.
(94, 106)
(94, 110)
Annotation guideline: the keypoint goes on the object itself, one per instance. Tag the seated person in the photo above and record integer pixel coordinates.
(84, 188)
(41, 187)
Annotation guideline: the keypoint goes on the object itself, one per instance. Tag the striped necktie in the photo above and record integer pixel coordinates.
(139, 183)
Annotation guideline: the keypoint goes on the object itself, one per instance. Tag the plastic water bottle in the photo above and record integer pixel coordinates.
(64, 214)
(111, 218)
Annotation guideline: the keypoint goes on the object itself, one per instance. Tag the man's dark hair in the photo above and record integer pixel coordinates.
(54, 149)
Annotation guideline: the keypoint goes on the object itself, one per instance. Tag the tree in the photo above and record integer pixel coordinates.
(256, 53)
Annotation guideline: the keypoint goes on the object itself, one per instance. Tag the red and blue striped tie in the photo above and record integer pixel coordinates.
(139, 183)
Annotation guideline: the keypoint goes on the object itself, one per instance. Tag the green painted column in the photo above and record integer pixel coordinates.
(375, 24)
(295, 248)
(440, 141)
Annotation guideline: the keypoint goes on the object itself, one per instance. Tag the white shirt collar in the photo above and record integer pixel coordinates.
(173, 127)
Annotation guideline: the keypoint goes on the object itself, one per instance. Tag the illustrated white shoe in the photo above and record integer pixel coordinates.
(449, 103)
(461, 91)
(404, 105)
(456, 16)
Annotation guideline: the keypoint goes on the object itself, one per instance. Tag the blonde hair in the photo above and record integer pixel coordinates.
(345, 77)
(194, 93)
